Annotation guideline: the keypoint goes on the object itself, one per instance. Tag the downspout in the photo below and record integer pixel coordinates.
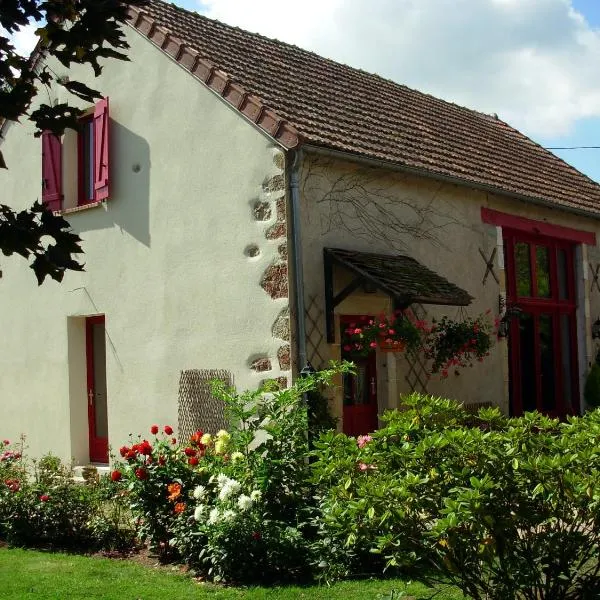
(298, 266)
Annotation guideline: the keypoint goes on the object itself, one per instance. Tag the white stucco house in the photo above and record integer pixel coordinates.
(238, 198)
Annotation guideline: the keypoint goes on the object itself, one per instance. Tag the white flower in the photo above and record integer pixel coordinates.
(214, 516)
(199, 492)
(237, 456)
(206, 439)
(229, 515)
(231, 488)
(199, 512)
(223, 435)
(222, 480)
(255, 495)
(244, 502)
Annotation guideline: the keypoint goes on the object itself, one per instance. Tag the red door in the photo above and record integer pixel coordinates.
(96, 389)
(543, 338)
(360, 391)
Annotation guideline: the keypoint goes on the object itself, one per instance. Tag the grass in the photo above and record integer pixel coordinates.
(54, 576)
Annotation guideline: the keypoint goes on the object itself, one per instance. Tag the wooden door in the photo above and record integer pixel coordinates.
(96, 389)
(360, 391)
(543, 338)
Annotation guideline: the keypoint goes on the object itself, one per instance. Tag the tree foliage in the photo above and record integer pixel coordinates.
(73, 32)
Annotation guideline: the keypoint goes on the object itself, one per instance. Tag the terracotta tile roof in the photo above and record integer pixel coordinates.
(299, 97)
(402, 277)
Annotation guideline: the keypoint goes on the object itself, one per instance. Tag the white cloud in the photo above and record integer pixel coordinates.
(534, 62)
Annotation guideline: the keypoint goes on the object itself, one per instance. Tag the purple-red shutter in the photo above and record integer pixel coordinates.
(51, 171)
(101, 151)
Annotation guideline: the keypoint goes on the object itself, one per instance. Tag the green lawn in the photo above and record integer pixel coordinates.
(45, 576)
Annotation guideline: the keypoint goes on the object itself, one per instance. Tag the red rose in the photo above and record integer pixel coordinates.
(44, 498)
(6, 442)
(116, 475)
(190, 452)
(141, 474)
(123, 450)
(173, 441)
(131, 454)
(154, 429)
(168, 430)
(193, 461)
(161, 460)
(144, 447)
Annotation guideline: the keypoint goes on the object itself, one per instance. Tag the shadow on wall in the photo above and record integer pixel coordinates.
(129, 208)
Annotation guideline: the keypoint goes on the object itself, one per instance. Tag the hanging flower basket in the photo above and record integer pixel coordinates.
(454, 344)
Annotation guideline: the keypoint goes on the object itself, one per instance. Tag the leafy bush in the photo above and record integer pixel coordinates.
(505, 508)
(232, 505)
(41, 505)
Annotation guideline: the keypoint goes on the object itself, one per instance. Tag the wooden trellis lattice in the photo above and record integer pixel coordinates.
(417, 375)
(198, 408)
(595, 275)
(316, 346)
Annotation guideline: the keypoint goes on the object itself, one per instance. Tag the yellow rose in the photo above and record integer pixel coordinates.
(237, 456)
(223, 435)
(206, 439)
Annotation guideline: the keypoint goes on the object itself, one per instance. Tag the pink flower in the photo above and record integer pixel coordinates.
(6, 442)
(373, 344)
(358, 331)
(363, 440)
(347, 348)
(365, 467)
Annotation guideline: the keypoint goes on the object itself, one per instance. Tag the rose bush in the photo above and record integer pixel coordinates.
(233, 505)
(41, 505)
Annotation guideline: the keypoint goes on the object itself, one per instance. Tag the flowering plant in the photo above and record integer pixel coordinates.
(397, 332)
(456, 344)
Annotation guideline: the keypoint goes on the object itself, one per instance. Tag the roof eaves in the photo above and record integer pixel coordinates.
(312, 146)
(249, 105)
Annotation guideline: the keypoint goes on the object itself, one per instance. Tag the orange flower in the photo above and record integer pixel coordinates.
(179, 507)
(174, 491)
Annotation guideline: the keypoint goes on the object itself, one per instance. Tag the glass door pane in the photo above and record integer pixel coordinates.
(527, 362)
(542, 271)
(547, 370)
(523, 269)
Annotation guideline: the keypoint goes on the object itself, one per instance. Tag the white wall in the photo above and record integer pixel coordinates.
(164, 261)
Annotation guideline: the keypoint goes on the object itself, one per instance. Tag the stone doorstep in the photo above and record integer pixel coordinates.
(102, 470)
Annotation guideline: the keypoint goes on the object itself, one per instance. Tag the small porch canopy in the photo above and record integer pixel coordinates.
(403, 278)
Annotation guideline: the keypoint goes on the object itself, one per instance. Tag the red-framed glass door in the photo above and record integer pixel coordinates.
(96, 388)
(543, 339)
(360, 389)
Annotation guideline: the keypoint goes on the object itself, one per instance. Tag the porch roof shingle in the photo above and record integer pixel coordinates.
(402, 277)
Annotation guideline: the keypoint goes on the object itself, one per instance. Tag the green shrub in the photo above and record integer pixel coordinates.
(41, 505)
(232, 505)
(505, 508)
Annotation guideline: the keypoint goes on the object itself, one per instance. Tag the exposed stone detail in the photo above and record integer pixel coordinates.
(283, 356)
(282, 249)
(261, 364)
(281, 212)
(275, 281)
(274, 184)
(261, 211)
(279, 160)
(252, 250)
(281, 326)
(280, 383)
(276, 231)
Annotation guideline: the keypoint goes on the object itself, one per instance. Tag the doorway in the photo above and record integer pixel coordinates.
(359, 389)
(543, 335)
(96, 388)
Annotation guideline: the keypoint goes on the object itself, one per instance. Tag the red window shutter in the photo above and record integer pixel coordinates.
(101, 150)
(51, 171)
